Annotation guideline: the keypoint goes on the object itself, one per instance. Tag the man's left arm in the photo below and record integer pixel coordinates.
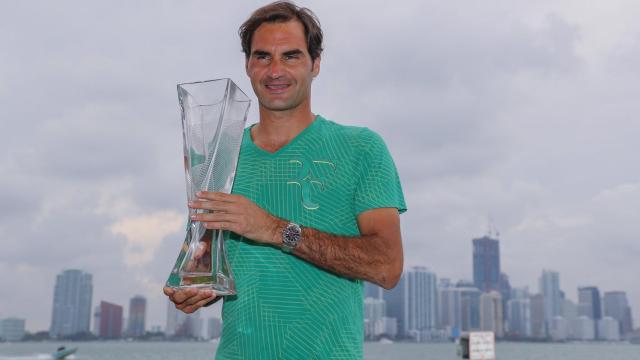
(375, 255)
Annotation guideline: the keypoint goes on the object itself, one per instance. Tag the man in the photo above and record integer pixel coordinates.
(314, 210)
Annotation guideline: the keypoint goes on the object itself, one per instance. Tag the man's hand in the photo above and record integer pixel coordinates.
(238, 214)
(191, 299)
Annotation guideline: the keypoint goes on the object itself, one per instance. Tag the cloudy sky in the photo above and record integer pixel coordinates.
(525, 112)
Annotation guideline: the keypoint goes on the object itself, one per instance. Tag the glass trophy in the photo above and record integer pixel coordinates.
(214, 114)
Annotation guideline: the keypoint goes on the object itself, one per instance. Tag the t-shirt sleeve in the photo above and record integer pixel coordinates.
(378, 183)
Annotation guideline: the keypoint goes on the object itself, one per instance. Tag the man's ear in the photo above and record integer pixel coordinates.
(246, 65)
(315, 67)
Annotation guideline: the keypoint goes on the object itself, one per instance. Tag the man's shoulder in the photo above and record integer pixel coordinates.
(350, 133)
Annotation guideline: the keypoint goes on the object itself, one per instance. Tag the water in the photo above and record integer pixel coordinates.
(373, 351)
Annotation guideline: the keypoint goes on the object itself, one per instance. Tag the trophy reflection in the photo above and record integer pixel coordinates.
(214, 114)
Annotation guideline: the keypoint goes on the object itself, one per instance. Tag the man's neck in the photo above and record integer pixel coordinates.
(277, 128)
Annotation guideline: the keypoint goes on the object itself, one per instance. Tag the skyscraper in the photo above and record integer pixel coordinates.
(449, 312)
(617, 307)
(486, 264)
(519, 323)
(395, 300)
(374, 312)
(71, 303)
(505, 292)
(550, 290)
(469, 308)
(421, 299)
(538, 328)
(110, 321)
(491, 313)
(589, 302)
(589, 305)
(137, 313)
(183, 325)
(176, 321)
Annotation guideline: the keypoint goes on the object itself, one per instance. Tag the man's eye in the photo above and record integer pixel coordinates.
(291, 57)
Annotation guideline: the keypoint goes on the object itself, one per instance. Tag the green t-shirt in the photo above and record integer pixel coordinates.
(287, 308)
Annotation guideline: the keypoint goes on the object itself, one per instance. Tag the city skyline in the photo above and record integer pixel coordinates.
(531, 119)
(490, 303)
(422, 298)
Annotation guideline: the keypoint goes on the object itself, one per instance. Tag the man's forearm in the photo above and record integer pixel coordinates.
(366, 257)
(375, 256)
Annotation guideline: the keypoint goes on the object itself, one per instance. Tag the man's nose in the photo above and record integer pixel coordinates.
(275, 69)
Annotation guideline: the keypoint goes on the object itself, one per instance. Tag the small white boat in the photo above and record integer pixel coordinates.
(63, 352)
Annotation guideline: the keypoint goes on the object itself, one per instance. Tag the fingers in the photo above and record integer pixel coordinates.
(218, 196)
(214, 217)
(190, 299)
(168, 291)
(180, 296)
(192, 308)
(212, 205)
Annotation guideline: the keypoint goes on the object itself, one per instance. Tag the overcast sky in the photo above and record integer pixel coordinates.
(523, 111)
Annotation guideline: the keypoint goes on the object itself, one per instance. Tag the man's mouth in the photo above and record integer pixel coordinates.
(276, 87)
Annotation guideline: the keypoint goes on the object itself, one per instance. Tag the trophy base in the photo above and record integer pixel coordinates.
(221, 285)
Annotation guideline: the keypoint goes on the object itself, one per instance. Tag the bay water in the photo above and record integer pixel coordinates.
(121, 350)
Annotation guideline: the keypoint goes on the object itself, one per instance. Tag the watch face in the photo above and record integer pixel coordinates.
(291, 235)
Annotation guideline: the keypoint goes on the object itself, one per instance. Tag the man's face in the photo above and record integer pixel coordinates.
(280, 67)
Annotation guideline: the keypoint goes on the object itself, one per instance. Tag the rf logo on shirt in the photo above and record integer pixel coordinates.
(306, 178)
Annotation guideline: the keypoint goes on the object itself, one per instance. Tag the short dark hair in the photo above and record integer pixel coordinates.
(283, 11)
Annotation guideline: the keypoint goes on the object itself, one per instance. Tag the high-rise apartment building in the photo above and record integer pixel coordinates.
(71, 303)
(538, 327)
(421, 300)
(449, 309)
(589, 305)
(137, 314)
(550, 290)
(616, 306)
(608, 329)
(491, 313)
(486, 264)
(469, 306)
(519, 318)
(183, 325)
(589, 302)
(374, 313)
(110, 321)
(395, 300)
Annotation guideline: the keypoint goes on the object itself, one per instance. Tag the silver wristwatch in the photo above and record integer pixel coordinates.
(291, 235)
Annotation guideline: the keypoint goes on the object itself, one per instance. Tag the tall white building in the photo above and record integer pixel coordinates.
(71, 303)
(421, 299)
(459, 308)
(491, 313)
(374, 312)
(583, 328)
(608, 329)
(519, 320)
(550, 290)
(180, 324)
(616, 305)
(559, 329)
